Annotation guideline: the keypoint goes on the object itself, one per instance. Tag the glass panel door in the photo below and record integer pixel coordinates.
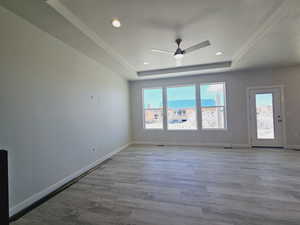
(264, 116)
(266, 129)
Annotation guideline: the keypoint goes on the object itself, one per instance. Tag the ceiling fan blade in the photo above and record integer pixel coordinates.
(197, 46)
(162, 51)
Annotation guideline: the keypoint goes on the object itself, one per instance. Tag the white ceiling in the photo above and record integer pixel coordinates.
(251, 33)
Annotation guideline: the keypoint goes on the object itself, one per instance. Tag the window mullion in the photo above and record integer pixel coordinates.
(165, 112)
(198, 107)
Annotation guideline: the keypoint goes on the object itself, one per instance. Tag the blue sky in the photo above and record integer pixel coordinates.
(153, 97)
(212, 92)
(181, 93)
(264, 99)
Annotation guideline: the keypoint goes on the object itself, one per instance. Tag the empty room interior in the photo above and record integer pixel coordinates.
(147, 112)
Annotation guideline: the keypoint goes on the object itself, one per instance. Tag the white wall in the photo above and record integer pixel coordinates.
(237, 84)
(48, 120)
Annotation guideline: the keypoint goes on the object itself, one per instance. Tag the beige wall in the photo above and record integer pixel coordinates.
(50, 123)
(237, 84)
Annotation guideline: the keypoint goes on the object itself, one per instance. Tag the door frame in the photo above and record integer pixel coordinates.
(248, 94)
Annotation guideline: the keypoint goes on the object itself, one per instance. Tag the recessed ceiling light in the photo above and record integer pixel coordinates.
(219, 53)
(146, 63)
(116, 23)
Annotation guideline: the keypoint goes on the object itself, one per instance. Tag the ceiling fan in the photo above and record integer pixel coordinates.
(179, 53)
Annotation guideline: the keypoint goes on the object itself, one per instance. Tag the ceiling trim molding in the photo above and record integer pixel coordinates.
(183, 69)
(262, 30)
(79, 24)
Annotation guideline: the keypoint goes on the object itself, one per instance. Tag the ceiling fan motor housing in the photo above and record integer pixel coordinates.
(179, 51)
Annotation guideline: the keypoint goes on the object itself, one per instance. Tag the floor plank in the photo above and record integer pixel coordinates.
(149, 185)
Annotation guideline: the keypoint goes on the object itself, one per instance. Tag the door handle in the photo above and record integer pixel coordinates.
(279, 119)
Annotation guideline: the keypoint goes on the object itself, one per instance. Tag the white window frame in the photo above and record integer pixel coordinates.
(197, 86)
(225, 106)
(166, 106)
(143, 109)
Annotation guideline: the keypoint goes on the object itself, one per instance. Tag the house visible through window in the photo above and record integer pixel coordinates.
(181, 108)
(213, 105)
(153, 108)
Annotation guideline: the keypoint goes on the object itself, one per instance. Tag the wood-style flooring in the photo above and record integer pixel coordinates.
(149, 185)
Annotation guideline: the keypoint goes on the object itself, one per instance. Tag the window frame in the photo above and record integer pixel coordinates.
(225, 106)
(166, 106)
(143, 107)
(199, 119)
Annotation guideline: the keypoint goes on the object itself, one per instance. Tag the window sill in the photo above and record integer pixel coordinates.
(214, 129)
(148, 129)
(182, 130)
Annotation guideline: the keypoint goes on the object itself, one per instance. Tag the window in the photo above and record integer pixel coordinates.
(153, 108)
(213, 106)
(181, 108)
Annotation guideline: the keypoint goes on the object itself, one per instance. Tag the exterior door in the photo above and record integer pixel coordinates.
(266, 121)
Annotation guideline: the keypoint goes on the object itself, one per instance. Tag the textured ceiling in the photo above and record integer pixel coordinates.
(251, 33)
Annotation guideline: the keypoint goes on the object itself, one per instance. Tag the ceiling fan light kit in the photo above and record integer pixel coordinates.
(178, 56)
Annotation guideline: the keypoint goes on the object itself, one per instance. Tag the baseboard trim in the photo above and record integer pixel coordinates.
(293, 147)
(35, 200)
(218, 145)
(241, 145)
